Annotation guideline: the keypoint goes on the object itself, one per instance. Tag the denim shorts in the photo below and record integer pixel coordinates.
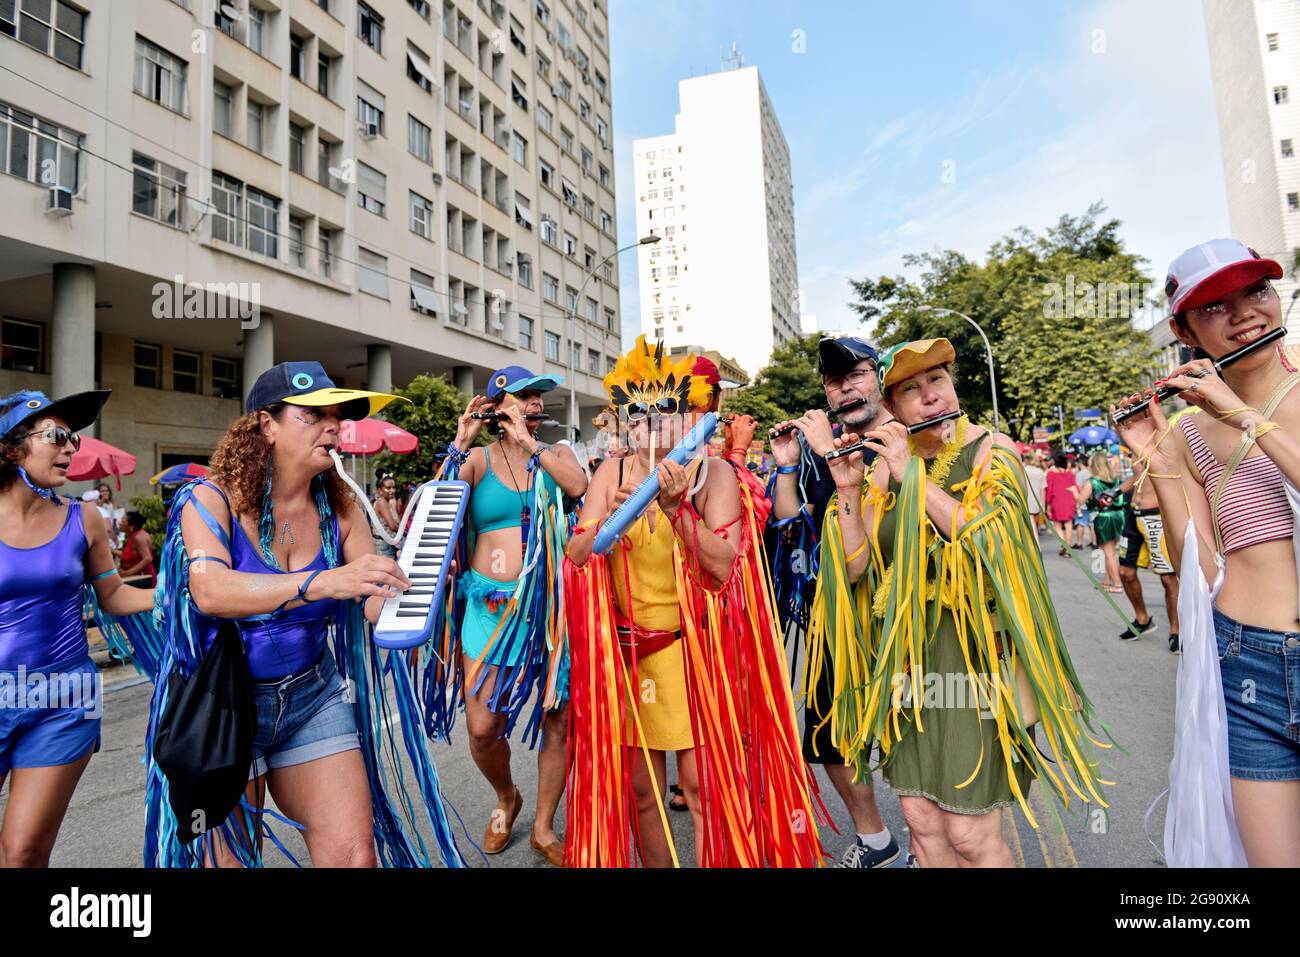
(1261, 688)
(49, 716)
(303, 717)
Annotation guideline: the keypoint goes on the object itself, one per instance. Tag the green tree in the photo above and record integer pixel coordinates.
(1058, 309)
(787, 387)
(435, 407)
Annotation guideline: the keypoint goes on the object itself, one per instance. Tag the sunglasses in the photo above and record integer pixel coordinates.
(58, 435)
(636, 411)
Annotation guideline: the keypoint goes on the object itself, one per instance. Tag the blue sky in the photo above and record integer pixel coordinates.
(1035, 109)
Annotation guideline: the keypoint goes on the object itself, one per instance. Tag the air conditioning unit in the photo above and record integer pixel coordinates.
(59, 202)
(369, 130)
(437, 179)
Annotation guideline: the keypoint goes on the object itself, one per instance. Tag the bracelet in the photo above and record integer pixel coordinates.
(302, 589)
(786, 469)
(455, 454)
(1165, 475)
(1254, 430)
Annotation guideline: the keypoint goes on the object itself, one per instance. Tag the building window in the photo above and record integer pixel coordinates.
(158, 191)
(325, 248)
(543, 66)
(53, 27)
(421, 7)
(525, 333)
(222, 100)
(1288, 150)
(547, 173)
(421, 216)
(372, 189)
(566, 141)
(592, 309)
(610, 321)
(1272, 41)
(256, 115)
(604, 175)
(519, 92)
(324, 65)
(419, 139)
(1281, 95)
(584, 109)
(525, 264)
(297, 140)
(593, 361)
(545, 119)
(602, 131)
(566, 90)
(256, 30)
(148, 366)
(606, 223)
(372, 273)
(21, 345)
(35, 149)
(570, 244)
(570, 299)
(1293, 201)
(423, 295)
(587, 159)
(550, 231)
(419, 69)
(575, 356)
(600, 83)
(370, 109)
(297, 59)
(552, 347)
(519, 149)
(543, 13)
(326, 153)
(225, 377)
(569, 193)
(223, 23)
(607, 272)
(370, 27)
(297, 246)
(550, 288)
(588, 209)
(523, 211)
(244, 216)
(186, 367)
(159, 75)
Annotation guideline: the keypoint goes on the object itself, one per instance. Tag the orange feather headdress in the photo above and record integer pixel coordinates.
(647, 376)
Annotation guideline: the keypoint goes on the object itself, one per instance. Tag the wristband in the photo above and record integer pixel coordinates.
(786, 469)
(455, 454)
(302, 589)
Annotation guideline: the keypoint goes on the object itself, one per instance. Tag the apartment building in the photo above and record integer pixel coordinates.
(194, 191)
(719, 195)
(1255, 64)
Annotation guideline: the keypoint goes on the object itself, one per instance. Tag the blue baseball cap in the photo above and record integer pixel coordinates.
(78, 410)
(516, 379)
(838, 356)
(305, 383)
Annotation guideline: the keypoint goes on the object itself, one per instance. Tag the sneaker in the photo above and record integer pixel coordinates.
(1174, 647)
(858, 854)
(1134, 630)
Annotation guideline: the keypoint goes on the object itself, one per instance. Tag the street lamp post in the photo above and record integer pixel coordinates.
(988, 351)
(573, 315)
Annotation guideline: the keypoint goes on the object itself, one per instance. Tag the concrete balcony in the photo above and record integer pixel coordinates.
(234, 59)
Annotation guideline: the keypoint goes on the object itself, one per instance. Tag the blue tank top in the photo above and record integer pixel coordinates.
(294, 640)
(494, 505)
(41, 594)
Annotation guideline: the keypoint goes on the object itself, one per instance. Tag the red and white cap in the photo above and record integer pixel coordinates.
(1212, 270)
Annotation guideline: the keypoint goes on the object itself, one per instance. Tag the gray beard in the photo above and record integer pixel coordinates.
(861, 416)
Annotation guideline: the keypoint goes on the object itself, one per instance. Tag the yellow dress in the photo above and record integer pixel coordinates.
(661, 676)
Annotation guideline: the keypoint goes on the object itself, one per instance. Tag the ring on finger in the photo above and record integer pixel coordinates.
(1194, 385)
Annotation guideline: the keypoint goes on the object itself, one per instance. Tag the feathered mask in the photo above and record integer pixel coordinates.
(643, 380)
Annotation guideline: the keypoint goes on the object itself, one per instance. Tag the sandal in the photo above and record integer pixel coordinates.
(677, 795)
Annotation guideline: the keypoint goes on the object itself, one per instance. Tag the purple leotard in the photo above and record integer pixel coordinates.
(41, 597)
(291, 642)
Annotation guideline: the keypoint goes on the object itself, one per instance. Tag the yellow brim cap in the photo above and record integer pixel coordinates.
(323, 397)
(907, 359)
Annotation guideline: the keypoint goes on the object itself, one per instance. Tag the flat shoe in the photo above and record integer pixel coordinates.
(553, 852)
(497, 838)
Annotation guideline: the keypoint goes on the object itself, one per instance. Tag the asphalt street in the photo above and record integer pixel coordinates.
(1131, 684)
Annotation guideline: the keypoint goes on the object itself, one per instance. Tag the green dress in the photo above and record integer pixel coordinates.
(932, 762)
(1109, 520)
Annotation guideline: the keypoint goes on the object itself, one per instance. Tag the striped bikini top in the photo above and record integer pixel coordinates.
(1254, 506)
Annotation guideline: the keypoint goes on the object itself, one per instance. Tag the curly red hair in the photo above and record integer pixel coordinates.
(240, 462)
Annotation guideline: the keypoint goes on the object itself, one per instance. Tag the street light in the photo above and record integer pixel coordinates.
(573, 315)
(988, 351)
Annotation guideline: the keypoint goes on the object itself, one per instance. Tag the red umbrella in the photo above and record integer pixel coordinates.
(369, 436)
(96, 460)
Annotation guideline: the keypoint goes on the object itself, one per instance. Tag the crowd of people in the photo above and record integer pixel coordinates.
(897, 551)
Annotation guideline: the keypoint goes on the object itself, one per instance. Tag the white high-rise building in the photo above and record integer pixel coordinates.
(718, 192)
(1255, 62)
(398, 186)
